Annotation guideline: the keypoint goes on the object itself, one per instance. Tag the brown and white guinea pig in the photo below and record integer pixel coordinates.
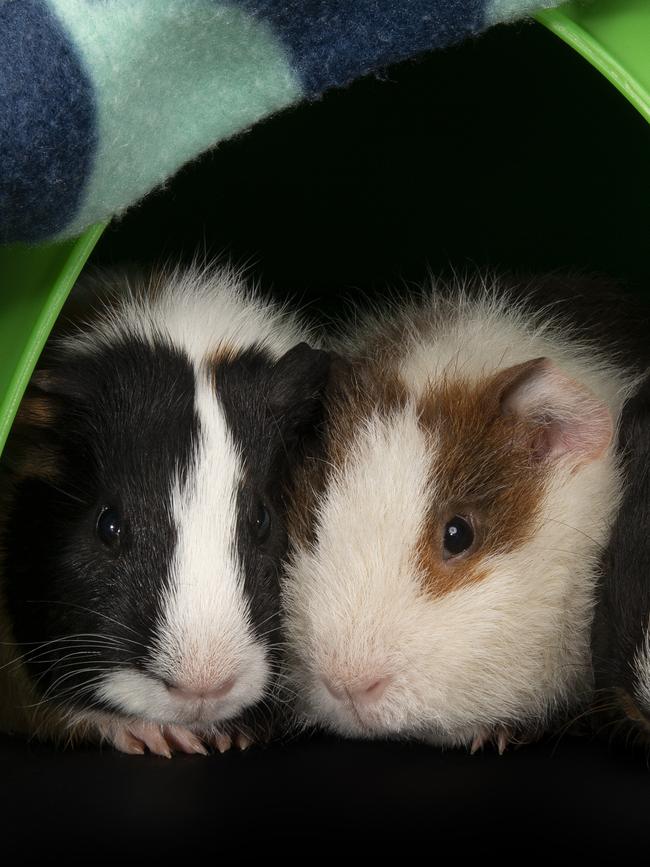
(621, 636)
(445, 543)
(144, 517)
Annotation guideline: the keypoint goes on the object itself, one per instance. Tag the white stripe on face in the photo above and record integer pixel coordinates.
(205, 637)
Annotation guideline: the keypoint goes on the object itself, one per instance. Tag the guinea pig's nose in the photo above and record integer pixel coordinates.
(191, 693)
(365, 691)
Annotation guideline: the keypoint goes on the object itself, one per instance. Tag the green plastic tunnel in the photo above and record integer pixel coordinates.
(613, 35)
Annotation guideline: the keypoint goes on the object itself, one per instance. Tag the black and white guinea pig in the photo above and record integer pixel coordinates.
(144, 517)
(444, 547)
(621, 637)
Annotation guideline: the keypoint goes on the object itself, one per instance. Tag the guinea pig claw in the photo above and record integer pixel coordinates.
(133, 738)
(222, 742)
(242, 741)
(478, 743)
(500, 737)
(184, 740)
(125, 742)
(153, 738)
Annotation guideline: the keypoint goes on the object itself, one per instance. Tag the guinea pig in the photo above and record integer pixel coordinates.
(621, 635)
(144, 521)
(444, 545)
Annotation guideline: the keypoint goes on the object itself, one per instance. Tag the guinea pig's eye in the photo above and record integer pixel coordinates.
(458, 537)
(261, 522)
(109, 527)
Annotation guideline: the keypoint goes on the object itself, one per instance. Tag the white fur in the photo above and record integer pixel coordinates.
(641, 668)
(512, 648)
(200, 309)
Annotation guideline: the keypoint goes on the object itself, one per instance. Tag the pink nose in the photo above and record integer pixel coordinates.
(187, 693)
(366, 691)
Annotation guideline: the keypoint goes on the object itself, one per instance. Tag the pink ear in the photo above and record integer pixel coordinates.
(571, 419)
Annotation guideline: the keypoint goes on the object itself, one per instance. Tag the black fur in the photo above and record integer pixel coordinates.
(269, 407)
(123, 417)
(623, 609)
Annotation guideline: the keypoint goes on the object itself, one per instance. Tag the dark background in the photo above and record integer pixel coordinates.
(509, 151)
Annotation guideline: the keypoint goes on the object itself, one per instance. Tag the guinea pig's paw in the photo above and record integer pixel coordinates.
(133, 738)
(500, 736)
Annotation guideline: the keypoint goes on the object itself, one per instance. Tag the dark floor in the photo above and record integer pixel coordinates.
(319, 797)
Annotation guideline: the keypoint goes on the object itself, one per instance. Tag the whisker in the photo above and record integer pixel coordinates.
(107, 642)
(88, 611)
(49, 696)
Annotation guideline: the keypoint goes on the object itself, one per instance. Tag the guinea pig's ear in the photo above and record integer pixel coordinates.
(568, 418)
(296, 389)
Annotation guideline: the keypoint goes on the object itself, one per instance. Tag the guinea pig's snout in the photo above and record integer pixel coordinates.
(194, 693)
(363, 691)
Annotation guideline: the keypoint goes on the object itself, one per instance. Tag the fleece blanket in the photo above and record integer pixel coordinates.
(103, 100)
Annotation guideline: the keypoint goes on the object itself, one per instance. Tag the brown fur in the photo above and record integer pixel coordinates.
(224, 354)
(36, 410)
(30, 452)
(489, 470)
(34, 462)
(485, 469)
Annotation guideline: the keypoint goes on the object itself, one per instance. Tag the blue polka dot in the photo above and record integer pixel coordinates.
(47, 123)
(334, 41)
